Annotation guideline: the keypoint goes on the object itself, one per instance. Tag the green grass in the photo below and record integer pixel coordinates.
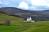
(17, 25)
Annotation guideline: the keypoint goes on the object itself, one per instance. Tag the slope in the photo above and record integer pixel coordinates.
(17, 25)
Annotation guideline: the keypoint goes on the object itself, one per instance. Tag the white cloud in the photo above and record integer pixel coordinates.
(23, 5)
(39, 2)
(35, 4)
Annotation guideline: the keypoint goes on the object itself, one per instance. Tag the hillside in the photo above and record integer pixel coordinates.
(23, 13)
(17, 25)
(17, 11)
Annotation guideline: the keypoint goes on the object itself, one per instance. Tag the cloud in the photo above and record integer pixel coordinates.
(35, 5)
(30, 5)
(39, 2)
(23, 5)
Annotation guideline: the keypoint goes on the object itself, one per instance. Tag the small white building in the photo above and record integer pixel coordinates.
(29, 19)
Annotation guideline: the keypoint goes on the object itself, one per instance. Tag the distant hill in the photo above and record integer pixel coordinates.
(10, 10)
(22, 13)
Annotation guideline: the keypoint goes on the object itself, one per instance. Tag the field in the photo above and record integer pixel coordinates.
(17, 25)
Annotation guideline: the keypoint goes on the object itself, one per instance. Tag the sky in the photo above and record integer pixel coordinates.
(26, 4)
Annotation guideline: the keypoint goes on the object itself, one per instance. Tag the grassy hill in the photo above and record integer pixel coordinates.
(17, 25)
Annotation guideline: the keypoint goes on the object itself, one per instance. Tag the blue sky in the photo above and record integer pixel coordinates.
(29, 4)
(9, 3)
